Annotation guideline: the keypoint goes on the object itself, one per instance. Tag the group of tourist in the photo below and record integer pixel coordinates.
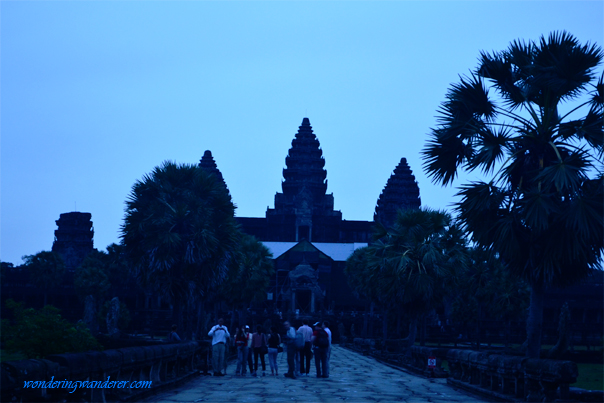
(252, 347)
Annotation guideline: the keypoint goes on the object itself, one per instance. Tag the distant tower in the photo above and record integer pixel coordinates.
(401, 192)
(304, 210)
(73, 239)
(207, 163)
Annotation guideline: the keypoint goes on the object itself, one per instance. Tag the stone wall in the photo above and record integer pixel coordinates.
(163, 365)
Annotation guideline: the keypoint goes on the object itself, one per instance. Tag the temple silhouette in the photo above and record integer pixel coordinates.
(310, 241)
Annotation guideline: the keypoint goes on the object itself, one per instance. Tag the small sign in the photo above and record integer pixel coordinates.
(269, 296)
(432, 362)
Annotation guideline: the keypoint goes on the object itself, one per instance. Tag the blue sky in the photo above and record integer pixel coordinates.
(96, 94)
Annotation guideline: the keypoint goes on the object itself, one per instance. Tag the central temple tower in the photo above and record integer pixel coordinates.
(304, 211)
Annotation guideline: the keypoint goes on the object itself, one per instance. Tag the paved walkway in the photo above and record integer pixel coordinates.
(353, 378)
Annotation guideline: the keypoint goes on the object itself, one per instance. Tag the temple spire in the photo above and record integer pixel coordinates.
(401, 192)
(207, 163)
(305, 164)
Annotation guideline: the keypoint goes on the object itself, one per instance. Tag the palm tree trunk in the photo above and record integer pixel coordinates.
(232, 326)
(385, 325)
(412, 334)
(508, 334)
(370, 333)
(479, 326)
(365, 321)
(423, 332)
(534, 323)
(190, 320)
(398, 325)
(177, 312)
(242, 318)
(201, 320)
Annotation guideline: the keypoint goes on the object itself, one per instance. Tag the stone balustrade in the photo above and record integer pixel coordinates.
(509, 377)
(162, 365)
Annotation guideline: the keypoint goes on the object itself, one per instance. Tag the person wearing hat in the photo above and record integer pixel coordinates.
(249, 353)
(320, 341)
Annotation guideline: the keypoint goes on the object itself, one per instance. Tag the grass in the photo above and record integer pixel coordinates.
(591, 377)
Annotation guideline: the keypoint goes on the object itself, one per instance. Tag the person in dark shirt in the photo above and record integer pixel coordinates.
(274, 341)
(241, 344)
(320, 341)
(173, 336)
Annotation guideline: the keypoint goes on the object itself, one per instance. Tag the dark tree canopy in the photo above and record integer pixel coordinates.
(179, 232)
(542, 209)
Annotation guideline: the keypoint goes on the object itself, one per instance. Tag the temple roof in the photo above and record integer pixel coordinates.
(207, 162)
(401, 192)
(305, 164)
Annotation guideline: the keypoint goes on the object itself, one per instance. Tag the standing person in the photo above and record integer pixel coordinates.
(306, 350)
(290, 345)
(241, 344)
(220, 335)
(320, 341)
(299, 348)
(260, 348)
(173, 336)
(328, 331)
(250, 353)
(274, 341)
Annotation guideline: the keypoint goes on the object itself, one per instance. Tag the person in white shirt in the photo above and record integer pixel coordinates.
(326, 328)
(220, 335)
(290, 344)
(249, 350)
(306, 351)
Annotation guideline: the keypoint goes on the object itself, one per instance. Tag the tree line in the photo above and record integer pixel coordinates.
(538, 219)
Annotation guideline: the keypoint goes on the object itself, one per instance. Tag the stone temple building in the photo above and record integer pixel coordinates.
(311, 241)
(73, 238)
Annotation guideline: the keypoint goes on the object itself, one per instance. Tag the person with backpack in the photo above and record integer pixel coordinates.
(320, 341)
(241, 344)
(306, 350)
(274, 342)
(259, 343)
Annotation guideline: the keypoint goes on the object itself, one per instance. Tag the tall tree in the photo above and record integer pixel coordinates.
(179, 233)
(357, 273)
(249, 275)
(91, 277)
(46, 269)
(91, 283)
(411, 261)
(542, 209)
(483, 287)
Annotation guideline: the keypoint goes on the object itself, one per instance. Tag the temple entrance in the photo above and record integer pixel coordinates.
(303, 300)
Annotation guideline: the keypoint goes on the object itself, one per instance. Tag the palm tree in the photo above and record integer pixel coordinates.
(249, 275)
(484, 287)
(179, 233)
(541, 212)
(410, 262)
(357, 273)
